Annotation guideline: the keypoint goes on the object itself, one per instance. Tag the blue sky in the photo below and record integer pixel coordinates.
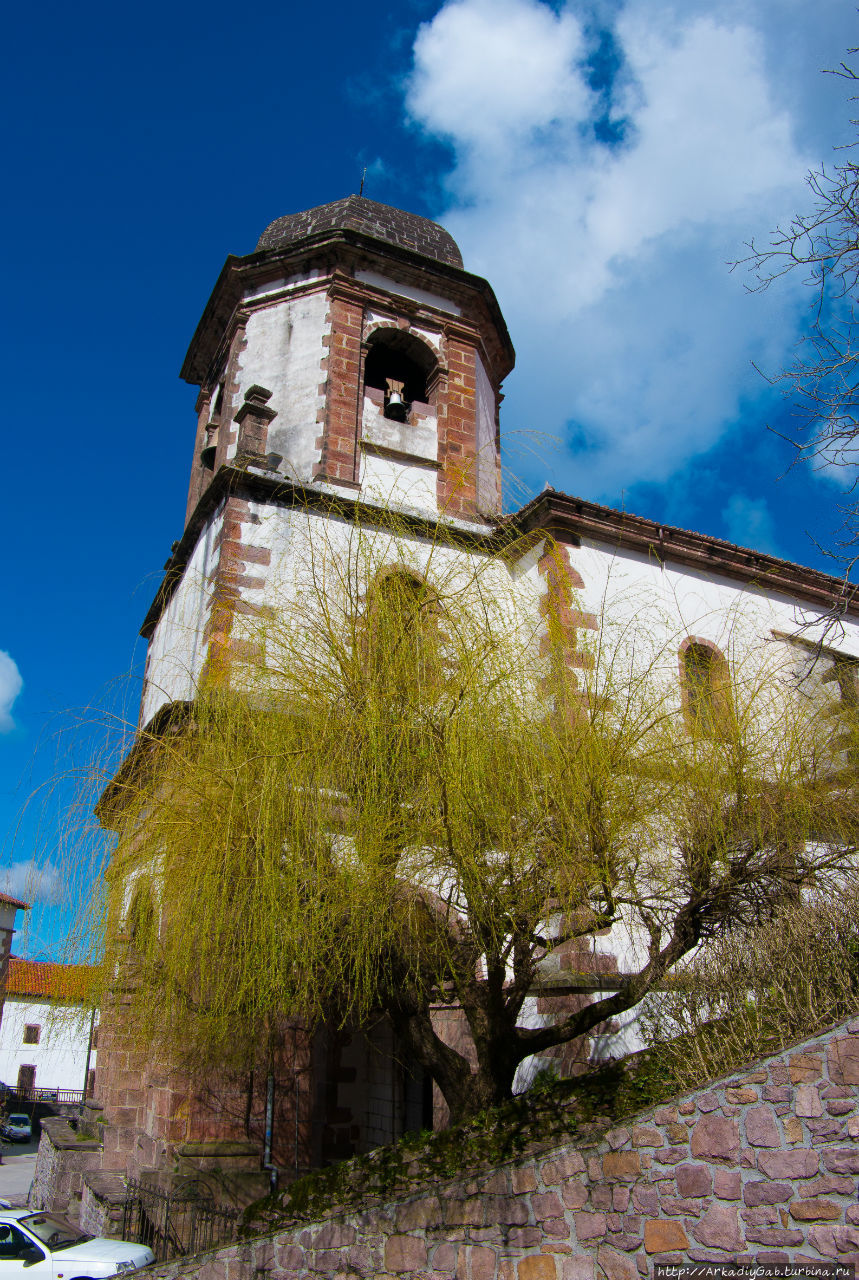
(599, 162)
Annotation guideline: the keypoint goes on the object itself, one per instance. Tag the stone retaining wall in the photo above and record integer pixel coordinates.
(63, 1160)
(760, 1167)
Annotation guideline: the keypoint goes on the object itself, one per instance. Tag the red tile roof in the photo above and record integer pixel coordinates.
(14, 902)
(67, 982)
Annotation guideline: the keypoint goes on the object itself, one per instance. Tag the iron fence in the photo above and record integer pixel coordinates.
(175, 1223)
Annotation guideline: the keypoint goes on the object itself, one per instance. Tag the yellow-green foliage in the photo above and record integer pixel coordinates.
(398, 799)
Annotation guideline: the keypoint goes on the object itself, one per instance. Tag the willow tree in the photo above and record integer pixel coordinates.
(400, 805)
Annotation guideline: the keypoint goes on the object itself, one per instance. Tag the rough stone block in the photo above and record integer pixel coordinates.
(620, 1199)
(763, 1215)
(842, 1160)
(624, 1165)
(646, 1199)
(843, 1060)
(334, 1235)
(616, 1138)
(444, 1257)
(564, 1165)
(766, 1192)
(741, 1096)
(415, 1214)
(405, 1253)
(644, 1135)
(577, 1269)
(719, 1228)
(589, 1226)
(526, 1179)
(524, 1237)
(575, 1194)
(693, 1179)
(807, 1101)
(537, 1267)
(727, 1184)
(815, 1210)
(762, 1127)
(788, 1164)
(715, 1137)
(482, 1262)
(805, 1066)
(546, 1205)
(464, 1213)
(616, 1266)
(661, 1236)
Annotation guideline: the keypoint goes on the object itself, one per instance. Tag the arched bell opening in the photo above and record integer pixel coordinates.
(400, 373)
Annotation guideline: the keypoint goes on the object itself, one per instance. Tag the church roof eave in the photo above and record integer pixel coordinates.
(565, 515)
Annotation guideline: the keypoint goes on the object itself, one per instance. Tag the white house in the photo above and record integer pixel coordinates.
(47, 1036)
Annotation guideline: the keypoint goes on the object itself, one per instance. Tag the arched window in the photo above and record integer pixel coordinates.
(140, 921)
(400, 369)
(705, 682)
(404, 640)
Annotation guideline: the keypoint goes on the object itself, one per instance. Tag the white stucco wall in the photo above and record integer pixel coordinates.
(60, 1057)
(176, 651)
(284, 354)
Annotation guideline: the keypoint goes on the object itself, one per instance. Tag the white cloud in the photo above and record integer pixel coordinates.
(488, 72)
(32, 883)
(11, 685)
(749, 523)
(609, 258)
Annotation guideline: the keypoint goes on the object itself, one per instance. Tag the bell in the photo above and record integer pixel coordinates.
(396, 406)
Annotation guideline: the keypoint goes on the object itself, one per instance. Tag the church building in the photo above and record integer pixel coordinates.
(350, 367)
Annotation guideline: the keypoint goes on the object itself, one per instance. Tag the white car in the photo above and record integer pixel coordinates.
(48, 1247)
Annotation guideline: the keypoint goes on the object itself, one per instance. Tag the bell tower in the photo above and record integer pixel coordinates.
(353, 352)
(348, 367)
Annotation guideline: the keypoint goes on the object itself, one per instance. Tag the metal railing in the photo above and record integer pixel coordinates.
(177, 1223)
(16, 1096)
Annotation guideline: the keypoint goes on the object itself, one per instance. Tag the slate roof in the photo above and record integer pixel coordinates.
(356, 213)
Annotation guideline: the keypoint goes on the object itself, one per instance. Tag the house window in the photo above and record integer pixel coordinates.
(32, 1032)
(706, 689)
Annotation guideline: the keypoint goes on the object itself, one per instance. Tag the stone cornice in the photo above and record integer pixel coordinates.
(229, 287)
(567, 517)
(564, 517)
(258, 486)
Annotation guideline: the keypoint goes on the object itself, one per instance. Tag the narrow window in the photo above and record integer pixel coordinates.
(32, 1032)
(706, 688)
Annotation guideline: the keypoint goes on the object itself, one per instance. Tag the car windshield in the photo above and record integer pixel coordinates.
(19, 1120)
(54, 1231)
